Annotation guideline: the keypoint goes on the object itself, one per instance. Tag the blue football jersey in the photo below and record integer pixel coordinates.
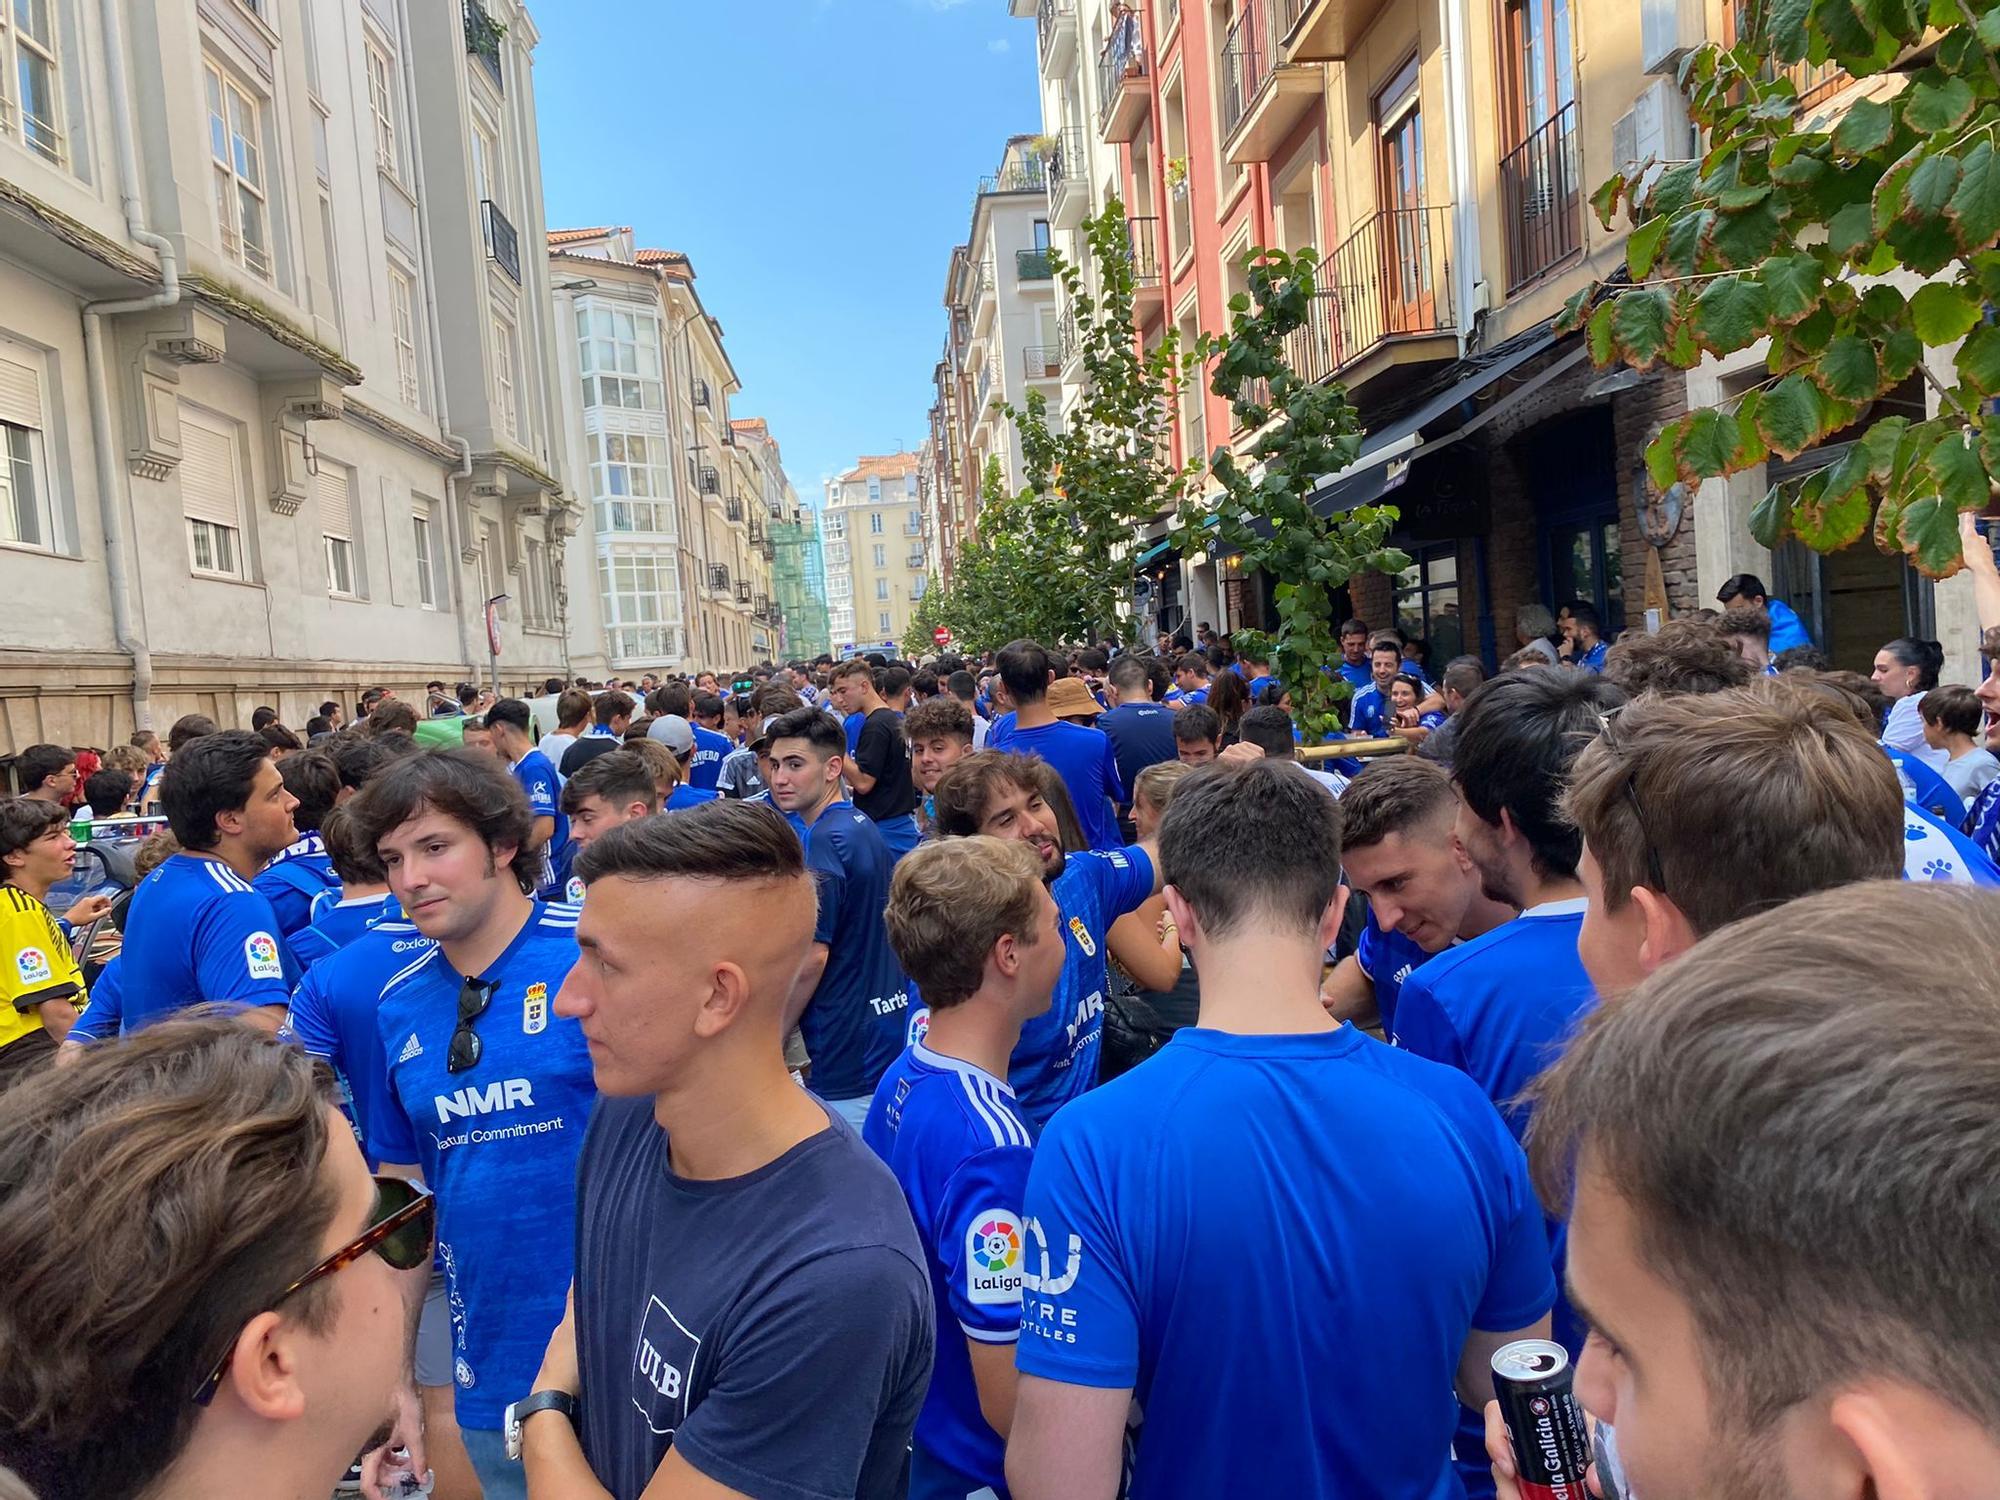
(294, 879)
(333, 1010)
(705, 765)
(197, 932)
(498, 1144)
(544, 788)
(854, 1024)
(960, 1149)
(1387, 959)
(338, 921)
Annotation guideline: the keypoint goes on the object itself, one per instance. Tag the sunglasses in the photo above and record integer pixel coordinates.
(1608, 727)
(474, 996)
(403, 1233)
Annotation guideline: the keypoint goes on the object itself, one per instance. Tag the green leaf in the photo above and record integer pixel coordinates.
(1901, 353)
(1979, 360)
(1603, 348)
(1788, 416)
(1974, 209)
(1661, 465)
(1735, 200)
(1988, 30)
(1848, 370)
(1744, 239)
(1575, 310)
(1878, 446)
(1932, 107)
(1639, 325)
(1928, 532)
(1925, 246)
(1794, 282)
(1955, 467)
(1708, 446)
(1865, 127)
(1785, 27)
(1941, 313)
(1642, 245)
(1833, 506)
(1605, 200)
(1770, 518)
(1850, 230)
(1750, 446)
(1684, 242)
(1672, 190)
(1929, 189)
(1887, 199)
(1731, 313)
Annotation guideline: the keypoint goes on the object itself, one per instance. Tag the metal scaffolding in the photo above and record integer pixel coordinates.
(798, 583)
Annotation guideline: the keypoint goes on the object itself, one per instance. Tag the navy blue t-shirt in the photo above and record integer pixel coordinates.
(1084, 760)
(854, 1023)
(773, 1329)
(1141, 735)
(1285, 1239)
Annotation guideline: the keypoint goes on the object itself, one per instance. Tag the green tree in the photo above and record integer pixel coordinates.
(1782, 230)
(1305, 432)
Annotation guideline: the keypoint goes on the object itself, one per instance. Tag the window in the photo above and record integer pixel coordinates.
(26, 518)
(1406, 249)
(1427, 602)
(329, 245)
(875, 522)
(881, 589)
(403, 327)
(31, 108)
(505, 368)
(425, 552)
(881, 555)
(618, 352)
(382, 105)
(335, 507)
(1540, 76)
(882, 622)
(641, 606)
(874, 487)
(211, 495)
(628, 481)
(486, 183)
(535, 584)
(910, 483)
(235, 146)
(1042, 234)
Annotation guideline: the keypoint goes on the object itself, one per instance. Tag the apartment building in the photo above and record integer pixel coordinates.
(876, 566)
(1438, 156)
(679, 509)
(264, 447)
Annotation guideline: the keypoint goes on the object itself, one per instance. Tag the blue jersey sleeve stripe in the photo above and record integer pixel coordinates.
(984, 1111)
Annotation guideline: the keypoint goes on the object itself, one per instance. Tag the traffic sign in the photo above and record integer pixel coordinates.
(941, 636)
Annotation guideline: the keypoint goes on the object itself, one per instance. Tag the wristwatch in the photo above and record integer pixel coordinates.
(527, 1406)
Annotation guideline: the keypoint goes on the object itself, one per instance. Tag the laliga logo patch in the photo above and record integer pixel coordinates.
(1082, 936)
(573, 891)
(260, 954)
(535, 1010)
(920, 1024)
(33, 966)
(993, 1258)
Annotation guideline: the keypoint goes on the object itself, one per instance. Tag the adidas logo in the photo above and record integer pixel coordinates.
(411, 1048)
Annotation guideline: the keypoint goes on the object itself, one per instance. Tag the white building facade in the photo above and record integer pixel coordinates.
(277, 387)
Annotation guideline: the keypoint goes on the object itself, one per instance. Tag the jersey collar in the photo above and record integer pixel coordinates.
(1574, 906)
(939, 1061)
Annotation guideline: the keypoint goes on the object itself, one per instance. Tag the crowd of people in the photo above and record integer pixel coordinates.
(1039, 1075)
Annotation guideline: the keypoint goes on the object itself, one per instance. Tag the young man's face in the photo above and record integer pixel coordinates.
(1354, 646)
(931, 757)
(1041, 957)
(1196, 752)
(57, 785)
(49, 858)
(482, 740)
(1988, 694)
(1187, 679)
(1018, 812)
(595, 816)
(267, 815)
(846, 694)
(443, 876)
(706, 681)
(1384, 662)
(1419, 882)
(801, 779)
(1485, 846)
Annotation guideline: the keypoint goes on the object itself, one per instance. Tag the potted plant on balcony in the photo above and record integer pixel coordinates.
(1177, 176)
(1041, 147)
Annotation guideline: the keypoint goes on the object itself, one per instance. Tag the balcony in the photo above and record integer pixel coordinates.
(710, 481)
(916, 562)
(1328, 30)
(982, 301)
(1124, 91)
(761, 607)
(1055, 36)
(756, 529)
(703, 396)
(1069, 347)
(744, 593)
(1069, 191)
(1148, 286)
(732, 510)
(1042, 362)
(1541, 199)
(1034, 265)
(482, 41)
(1023, 174)
(718, 579)
(1380, 301)
(1264, 95)
(503, 245)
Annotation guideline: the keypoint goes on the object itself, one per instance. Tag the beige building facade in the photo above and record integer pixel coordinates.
(872, 530)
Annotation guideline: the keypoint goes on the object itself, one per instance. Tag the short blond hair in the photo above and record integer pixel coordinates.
(1156, 784)
(950, 902)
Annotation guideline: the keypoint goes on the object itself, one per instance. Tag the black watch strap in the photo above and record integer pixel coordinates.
(561, 1401)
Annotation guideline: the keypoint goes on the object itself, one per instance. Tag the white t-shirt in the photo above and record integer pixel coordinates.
(1905, 732)
(553, 745)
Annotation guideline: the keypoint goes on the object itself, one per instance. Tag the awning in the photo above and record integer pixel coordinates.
(1152, 554)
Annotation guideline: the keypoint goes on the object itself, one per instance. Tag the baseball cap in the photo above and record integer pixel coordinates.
(672, 731)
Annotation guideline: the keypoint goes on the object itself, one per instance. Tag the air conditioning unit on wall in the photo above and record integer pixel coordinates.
(1655, 132)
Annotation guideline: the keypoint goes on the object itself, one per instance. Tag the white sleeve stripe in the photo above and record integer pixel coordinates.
(1016, 1134)
(988, 1336)
(984, 1110)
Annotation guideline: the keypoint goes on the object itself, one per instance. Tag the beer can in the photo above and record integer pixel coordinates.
(1532, 1379)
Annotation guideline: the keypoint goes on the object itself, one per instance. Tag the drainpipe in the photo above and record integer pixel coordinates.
(433, 326)
(126, 629)
(1464, 190)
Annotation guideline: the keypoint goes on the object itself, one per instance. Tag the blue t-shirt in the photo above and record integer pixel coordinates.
(1369, 713)
(1000, 727)
(1085, 761)
(102, 1017)
(960, 1150)
(497, 1143)
(1387, 959)
(1056, 1058)
(1787, 629)
(1358, 674)
(705, 765)
(333, 1009)
(852, 724)
(1923, 787)
(853, 1025)
(1287, 1239)
(294, 879)
(197, 932)
(1593, 659)
(1141, 735)
(338, 922)
(685, 796)
(544, 788)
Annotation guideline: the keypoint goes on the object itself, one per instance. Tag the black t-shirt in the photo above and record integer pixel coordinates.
(586, 750)
(884, 753)
(777, 1329)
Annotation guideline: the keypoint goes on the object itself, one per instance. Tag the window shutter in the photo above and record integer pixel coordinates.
(20, 392)
(331, 499)
(208, 473)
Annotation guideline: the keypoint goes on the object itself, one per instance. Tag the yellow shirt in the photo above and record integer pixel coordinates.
(35, 965)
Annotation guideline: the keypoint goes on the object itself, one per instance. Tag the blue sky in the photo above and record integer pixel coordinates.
(816, 158)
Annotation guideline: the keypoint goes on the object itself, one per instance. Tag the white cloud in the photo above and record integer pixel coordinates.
(999, 44)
